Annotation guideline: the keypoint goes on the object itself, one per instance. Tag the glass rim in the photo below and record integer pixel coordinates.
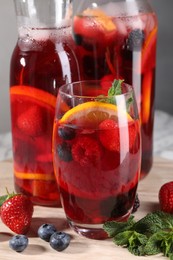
(62, 91)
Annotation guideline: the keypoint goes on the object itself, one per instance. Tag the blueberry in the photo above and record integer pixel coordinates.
(18, 243)
(66, 133)
(59, 241)
(45, 231)
(64, 152)
(135, 39)
(77, 38)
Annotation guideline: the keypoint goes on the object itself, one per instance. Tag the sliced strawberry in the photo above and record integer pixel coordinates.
(31, 122)
(86, 151)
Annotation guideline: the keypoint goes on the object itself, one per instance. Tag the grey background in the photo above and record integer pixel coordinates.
(164, 74)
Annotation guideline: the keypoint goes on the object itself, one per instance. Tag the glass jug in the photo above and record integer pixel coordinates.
(117, 39)
(43, 59)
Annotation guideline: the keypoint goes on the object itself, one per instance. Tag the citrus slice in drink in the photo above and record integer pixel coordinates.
(93, 29)
(32, 113)
(149, 51)
(147, 84)
(92, 113)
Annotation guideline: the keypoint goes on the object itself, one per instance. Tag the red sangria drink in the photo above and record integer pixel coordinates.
(97, 153)
(42, 61)
(118, 40)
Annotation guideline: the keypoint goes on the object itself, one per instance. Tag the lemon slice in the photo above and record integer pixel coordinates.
(91, 114)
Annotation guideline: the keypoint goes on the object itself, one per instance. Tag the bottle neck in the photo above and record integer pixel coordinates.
(42, 13)
(113, 7)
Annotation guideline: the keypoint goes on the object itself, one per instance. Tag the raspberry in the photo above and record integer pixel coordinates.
(86, 151)
(166, 197)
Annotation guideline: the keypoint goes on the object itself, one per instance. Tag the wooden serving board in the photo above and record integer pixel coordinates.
(80, 247)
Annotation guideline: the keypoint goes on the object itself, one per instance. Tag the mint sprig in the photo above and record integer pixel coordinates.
(151, 235)
(115, 89)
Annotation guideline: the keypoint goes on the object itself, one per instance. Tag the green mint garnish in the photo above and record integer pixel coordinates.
(151, 235)
(115, 89)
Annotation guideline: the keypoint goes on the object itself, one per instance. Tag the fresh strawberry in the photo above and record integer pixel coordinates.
(166, 197)
(31, 121)
(110, 135)
(16, 212)
(86, 151)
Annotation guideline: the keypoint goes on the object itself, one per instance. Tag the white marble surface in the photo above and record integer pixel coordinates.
(163, 138)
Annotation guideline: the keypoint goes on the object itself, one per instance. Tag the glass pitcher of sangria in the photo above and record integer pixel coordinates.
(43, 59)
(117, 39)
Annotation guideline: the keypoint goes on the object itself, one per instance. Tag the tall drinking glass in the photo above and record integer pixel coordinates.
(97, 153)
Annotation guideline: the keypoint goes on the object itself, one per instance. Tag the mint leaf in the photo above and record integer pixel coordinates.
(154, 222)
(113, 228)
(161, 241)
(116, 88)
(153, 245)
(166, 218)
(135, 242)
(149, 225)
(150, 235)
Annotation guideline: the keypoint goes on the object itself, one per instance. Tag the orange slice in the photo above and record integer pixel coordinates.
(149, 50)
(101, 18)
(146, 96)
(34, 176)
(91, 114)
(35, 93)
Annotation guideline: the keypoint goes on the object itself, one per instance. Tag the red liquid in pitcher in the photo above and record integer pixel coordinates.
(122, 47)
(41, 62)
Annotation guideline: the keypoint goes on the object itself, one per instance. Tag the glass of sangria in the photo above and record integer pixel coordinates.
(117, 39)
(96, 153)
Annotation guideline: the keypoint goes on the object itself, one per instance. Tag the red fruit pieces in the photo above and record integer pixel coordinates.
(86, 151)
(133, 131)
(111, 138)
(109, 135)
(16, 213)
(31, 121)
(166, 197)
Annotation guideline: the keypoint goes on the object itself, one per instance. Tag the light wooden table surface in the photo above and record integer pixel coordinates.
(80, 247)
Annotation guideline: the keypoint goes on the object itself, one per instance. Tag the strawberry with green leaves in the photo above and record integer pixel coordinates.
(16, 212)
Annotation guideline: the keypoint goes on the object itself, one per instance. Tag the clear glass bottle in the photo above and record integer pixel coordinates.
(117, 39)
(43, 59)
